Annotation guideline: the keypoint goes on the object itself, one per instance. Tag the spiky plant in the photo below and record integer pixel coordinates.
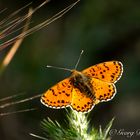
(76, 128)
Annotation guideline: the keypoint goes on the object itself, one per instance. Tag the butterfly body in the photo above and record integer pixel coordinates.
(83, 90)
(82, 82)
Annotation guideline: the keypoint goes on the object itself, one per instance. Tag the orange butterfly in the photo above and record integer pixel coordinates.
(82, 90)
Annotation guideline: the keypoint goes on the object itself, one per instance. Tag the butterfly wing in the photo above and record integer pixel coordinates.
(80, 102)
(103, 91)
(108, 71)
(58, 96)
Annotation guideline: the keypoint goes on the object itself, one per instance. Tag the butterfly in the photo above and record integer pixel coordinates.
(83, 90)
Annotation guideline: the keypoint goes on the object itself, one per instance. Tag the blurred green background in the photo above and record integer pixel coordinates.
(105, 30)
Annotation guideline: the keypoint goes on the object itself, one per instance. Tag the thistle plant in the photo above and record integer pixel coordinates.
(76, 128)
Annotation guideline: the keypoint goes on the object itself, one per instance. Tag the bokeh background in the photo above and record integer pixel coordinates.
(105, 30)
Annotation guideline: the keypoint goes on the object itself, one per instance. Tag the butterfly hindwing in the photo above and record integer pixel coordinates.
(103, 91)
(107, 71)
(59, 95)
(80, 102)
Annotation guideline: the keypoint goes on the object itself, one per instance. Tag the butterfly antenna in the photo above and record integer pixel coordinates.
(48, 66)
(79, 59)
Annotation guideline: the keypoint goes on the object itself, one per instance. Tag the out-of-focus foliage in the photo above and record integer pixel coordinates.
(105, 30)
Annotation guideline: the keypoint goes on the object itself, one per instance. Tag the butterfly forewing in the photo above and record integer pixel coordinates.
(108, 71)
(58, 96)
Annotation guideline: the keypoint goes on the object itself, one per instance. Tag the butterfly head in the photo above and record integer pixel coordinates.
(75, 73)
